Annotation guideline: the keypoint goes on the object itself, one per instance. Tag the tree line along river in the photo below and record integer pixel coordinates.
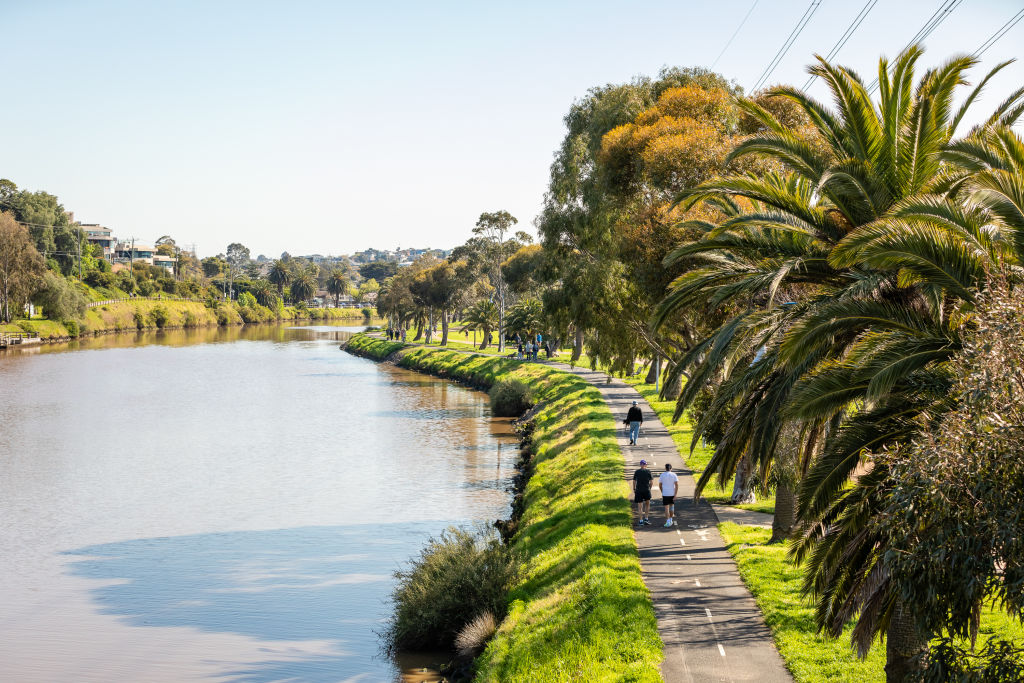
(224, 504)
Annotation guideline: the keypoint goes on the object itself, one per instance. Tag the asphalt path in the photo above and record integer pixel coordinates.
(711, 627)
(709, 622)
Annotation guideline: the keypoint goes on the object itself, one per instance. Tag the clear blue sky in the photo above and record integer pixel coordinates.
(330, 127)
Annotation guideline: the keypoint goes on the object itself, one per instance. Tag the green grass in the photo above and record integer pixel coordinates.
(812, 658)
(581, 610)
(682, 435)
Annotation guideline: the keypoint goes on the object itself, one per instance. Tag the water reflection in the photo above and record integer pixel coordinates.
(224, 504)
(317, 588)
(279, 333)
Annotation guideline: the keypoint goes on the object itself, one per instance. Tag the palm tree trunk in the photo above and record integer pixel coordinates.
(444, 328)
(419, 331)
(654, 371)
(785, 513)
(430, 324)
(485, 333)
(673, 390)
(904, 645)
(743, 485)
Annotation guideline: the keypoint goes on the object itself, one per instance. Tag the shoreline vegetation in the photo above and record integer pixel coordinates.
(158, 314)
(580, 609)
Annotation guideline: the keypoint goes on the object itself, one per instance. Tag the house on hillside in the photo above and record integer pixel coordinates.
(100, 236)
(165, 262)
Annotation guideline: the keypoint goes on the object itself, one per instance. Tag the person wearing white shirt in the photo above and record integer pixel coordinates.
(668, 482)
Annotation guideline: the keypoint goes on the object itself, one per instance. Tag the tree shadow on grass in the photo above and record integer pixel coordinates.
(321, 591)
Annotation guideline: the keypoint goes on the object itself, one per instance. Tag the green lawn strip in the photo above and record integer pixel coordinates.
(776, 586)
(682, 435)
(581, 610)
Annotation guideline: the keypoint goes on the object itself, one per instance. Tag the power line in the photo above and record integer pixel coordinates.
(999, 34)
(944, 10)
(734, 34)
(794, 34)
(843, 39)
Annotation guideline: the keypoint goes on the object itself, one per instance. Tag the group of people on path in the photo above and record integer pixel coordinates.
(531, 347)
(395, 334)
(643, 478)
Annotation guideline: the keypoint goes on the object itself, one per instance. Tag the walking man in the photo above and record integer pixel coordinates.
(642, 480)
(668, 482)
(634, 418)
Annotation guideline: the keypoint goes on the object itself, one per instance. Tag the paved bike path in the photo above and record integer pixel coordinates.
(712, 629)
(709, 622)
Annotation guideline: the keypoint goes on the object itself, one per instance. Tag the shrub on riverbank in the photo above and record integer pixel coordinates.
(580, 610)
(457, 577)
(510, 398)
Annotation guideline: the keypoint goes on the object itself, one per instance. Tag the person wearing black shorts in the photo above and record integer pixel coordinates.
(642, 480)
(668, 482)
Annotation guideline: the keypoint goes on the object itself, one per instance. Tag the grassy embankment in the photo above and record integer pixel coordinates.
(580, 610)
(143, 314)
(775, 583)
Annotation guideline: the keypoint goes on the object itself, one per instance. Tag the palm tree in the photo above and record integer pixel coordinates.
(264, 293)
(303, 287)
(337, 284)
(483, 316)
(526, 316)
(279, 275)
(874, 238)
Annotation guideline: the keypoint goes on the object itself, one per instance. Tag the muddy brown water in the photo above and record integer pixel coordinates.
(225, 504)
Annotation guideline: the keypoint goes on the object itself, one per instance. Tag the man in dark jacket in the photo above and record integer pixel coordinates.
(634, 418)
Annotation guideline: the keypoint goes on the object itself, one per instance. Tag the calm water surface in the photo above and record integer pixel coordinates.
(223, 505)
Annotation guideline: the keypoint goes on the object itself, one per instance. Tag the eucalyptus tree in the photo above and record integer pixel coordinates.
(237, 258)
(866, 234)
(608, 220)
(21, 266)
(494, 228)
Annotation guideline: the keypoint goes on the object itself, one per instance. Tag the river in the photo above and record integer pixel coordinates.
(224, 504)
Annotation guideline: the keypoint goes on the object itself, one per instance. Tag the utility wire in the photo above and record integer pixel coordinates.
(794, 34)
(734, 34)
(999, 34)
(944, 10)
(843, 39)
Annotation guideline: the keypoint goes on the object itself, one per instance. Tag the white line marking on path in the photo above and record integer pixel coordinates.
(689, 558)
(681, 541)
(697, 582)
(721, 650)
(708, 612)
(679, 532)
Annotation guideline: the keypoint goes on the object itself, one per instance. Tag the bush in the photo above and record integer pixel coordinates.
(60, 299)
(159, 316)
(222, 317)
(100, 278)
(368, 313)
(140, 320)
(190, 320)
(72, 327)
(510, 398)
(246, 300)
(146, 288)
(455, 579)
(125, 282)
